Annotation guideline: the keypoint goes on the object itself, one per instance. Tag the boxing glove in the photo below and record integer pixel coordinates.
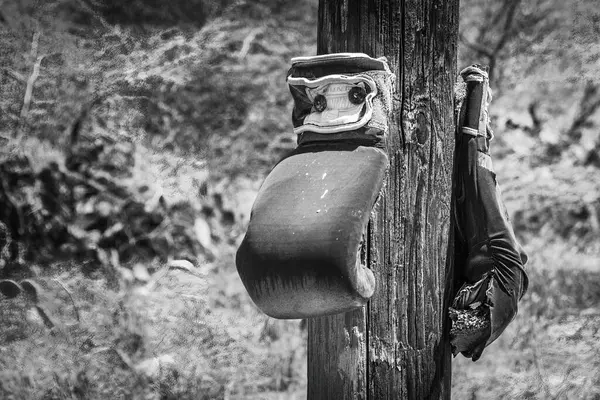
(300, 256)
(492, 262)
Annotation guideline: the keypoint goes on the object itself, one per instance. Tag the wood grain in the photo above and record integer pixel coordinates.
(405, 354)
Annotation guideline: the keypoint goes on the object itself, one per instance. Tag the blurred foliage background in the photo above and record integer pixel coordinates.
(134, 135)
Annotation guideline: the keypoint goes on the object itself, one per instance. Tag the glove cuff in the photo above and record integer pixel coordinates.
(343, 96)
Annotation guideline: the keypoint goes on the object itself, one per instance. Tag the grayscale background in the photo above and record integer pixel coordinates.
(134, 135)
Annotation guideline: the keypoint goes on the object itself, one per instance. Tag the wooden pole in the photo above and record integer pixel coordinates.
(397, 347)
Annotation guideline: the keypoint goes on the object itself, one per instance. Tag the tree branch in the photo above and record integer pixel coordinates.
(14, 74)
(476, 47)
(490, 49)
(535, 119)
(508, 22)
(247, 42)
(30, 82)
(96, 15)
(34, 45)
(588, 105)
(27, 98)
(70, 296)
(507, 33)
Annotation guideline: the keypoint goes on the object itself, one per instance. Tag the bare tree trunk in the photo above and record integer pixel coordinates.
(397, 347)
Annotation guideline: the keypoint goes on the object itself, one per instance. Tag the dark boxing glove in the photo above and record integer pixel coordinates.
(300, 256)
(489, 258)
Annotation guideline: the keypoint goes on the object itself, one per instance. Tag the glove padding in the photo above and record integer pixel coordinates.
(301, 256)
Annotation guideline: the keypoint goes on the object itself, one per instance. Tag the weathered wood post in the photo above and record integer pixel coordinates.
(397, 347)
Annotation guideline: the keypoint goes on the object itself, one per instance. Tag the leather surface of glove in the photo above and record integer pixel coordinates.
(300, 256)
(489, 258)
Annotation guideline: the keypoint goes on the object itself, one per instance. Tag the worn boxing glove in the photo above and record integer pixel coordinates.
(492, 263)
(300, 256)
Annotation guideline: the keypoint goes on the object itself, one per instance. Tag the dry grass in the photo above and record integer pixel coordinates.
(552, 348)
(214, 344)
(227, 349)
